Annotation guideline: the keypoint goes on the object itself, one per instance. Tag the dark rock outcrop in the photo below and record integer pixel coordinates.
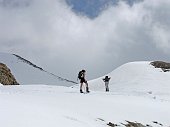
(112, 124)
(160, 64)
(6, 77)
(133, 124)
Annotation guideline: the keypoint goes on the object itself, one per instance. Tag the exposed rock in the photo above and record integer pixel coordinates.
(160, 64)
(133, 124)
(6, 77)
(41, 69)
(112, 124)
(157, 123)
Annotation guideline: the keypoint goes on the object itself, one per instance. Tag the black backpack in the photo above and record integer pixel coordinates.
(80, 75)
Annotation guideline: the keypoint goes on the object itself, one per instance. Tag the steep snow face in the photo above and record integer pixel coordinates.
(136, 77)
(28, 74)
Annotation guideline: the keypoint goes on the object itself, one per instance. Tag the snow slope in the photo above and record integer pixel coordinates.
(51, 106)
(138, 92)
(136, 77)
(27, 73)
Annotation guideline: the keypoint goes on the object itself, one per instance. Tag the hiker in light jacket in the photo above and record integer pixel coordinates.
(106, 80)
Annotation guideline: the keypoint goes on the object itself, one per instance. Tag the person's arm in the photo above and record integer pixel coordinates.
(83, 75)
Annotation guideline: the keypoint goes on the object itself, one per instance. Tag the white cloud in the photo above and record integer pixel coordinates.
(48, 33)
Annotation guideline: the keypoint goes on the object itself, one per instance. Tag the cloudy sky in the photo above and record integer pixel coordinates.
(63, 38)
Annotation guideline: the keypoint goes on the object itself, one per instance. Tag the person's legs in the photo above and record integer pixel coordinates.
(107, 87)
(81, 86)
(87, 88)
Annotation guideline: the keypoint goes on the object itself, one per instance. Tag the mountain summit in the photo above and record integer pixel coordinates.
(140, 77)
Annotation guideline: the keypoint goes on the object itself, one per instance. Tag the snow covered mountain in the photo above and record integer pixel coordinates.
(26, 72)
(136, 77)
(139, 93)
(138, 74)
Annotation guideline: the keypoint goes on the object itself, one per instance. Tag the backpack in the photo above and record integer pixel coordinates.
(80, 75)
(106, 79)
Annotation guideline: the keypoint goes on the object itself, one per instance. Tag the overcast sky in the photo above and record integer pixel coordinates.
(50, 34)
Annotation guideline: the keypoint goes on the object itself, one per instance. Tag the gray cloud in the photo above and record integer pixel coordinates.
(52, 36)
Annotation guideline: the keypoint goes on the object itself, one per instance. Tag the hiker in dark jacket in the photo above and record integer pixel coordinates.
(82, 79)
(106, 80)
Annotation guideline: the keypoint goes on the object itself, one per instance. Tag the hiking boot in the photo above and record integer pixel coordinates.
(107, 90)
(87, 89)
(81, 91)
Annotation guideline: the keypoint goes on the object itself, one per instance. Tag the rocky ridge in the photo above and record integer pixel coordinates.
(6, 77)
